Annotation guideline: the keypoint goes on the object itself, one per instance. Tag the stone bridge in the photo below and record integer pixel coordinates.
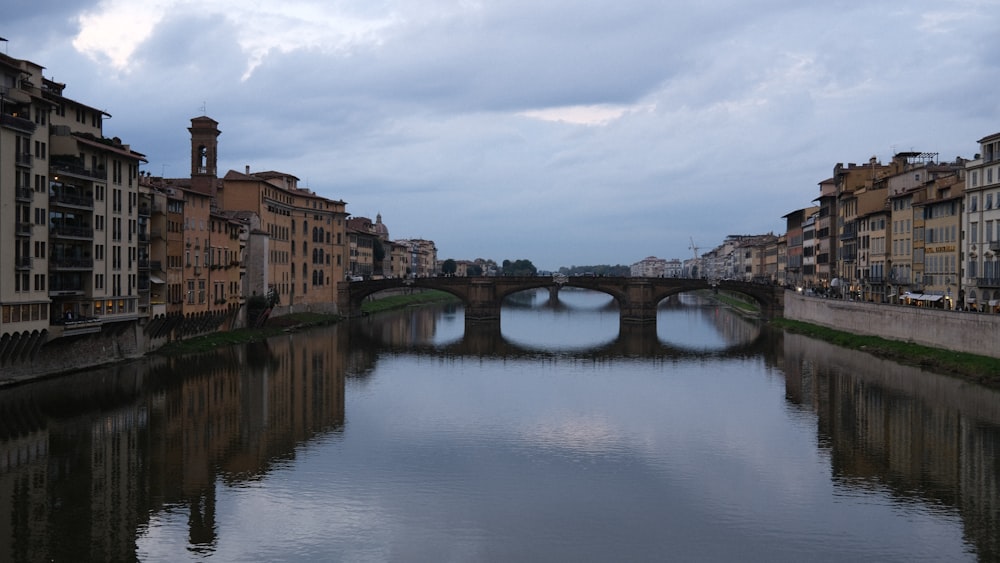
(637, 298)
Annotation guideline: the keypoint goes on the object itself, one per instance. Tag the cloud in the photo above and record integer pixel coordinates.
(561, 132)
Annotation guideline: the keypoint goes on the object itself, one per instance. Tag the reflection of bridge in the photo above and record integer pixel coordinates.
(637, 298)
(485, 340)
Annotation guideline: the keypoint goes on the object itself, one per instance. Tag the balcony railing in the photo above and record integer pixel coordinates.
(154, 265)
(67, 263)
(71, 231)
(74, 168)
(988, 282)
(75, 200)
(18, 123)
(143, 264)
(144, 211)
(23, 159)
(995, 245)
(24, 194)
(22, 263)
(23, 229)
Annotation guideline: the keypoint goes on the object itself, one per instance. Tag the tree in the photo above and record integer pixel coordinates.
(449, 267)
(474, 270)
(519, 268)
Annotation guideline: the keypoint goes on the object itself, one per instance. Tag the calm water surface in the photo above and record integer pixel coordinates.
(556, 436)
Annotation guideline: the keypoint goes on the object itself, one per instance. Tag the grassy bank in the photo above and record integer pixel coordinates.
(296, 321)
(406, 300)
(734, 302)
(979, 369)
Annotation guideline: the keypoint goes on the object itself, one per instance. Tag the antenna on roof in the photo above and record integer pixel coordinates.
(203, 110)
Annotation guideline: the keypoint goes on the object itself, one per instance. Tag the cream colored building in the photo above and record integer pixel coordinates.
(24, 237)
(70, 211)
(981, 221)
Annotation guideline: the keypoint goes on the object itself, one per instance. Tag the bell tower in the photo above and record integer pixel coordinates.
(204, 154)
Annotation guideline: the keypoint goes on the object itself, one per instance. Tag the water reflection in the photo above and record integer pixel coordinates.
(573, 322)
(90, 463)
(917, 436)
(689, 321)
(470, 445)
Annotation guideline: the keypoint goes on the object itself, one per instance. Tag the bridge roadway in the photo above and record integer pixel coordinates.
(637, 298)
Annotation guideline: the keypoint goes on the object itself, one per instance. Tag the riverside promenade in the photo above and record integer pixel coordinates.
(959, 331)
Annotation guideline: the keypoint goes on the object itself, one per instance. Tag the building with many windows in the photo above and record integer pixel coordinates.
(981, 223)
(70, 212)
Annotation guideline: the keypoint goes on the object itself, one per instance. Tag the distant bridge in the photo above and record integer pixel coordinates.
(637, 298)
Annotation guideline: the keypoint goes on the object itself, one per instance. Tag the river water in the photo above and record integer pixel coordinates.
(556, 436)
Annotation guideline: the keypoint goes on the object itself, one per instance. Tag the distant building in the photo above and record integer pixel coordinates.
(649, 267)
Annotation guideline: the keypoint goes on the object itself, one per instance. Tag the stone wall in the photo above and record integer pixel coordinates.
(975, 333)
(65, 355)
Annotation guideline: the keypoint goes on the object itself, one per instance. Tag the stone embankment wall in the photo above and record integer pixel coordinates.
(975, 333)
(117, 342)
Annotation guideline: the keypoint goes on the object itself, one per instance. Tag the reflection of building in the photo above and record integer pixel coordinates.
(82, 486)
(880, 420)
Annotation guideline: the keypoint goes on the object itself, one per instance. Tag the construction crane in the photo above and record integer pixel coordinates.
(694, 248)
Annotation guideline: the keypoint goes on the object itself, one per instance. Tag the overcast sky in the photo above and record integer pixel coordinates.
(563, 132)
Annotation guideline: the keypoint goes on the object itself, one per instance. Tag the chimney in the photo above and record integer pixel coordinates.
(248, 169)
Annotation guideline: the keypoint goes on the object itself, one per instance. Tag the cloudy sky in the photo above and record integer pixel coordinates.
(563, 132)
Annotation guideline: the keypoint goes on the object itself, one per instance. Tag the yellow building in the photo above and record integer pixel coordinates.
(942, 234)
(300, 241)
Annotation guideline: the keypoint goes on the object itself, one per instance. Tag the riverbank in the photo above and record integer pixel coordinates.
(978, 369)
(981, 370)
(298, 321)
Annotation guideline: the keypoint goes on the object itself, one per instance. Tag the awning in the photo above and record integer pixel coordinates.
(994, 302)
(155, 279)
(922, 296)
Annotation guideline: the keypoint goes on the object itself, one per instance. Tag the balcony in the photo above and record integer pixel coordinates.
(74, 166)
(23, 263)
(24, 194)
(23, 159)
(143, 264)
(154, 265)
(66, 263)
(993, 282)
(65, 327)
(18, 123)
(70, 231)
(72, 200)
(23, 229)
(994, 245)
(144, 211)
(61, 286)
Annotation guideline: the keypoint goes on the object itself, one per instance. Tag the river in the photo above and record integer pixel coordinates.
(555, 436)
